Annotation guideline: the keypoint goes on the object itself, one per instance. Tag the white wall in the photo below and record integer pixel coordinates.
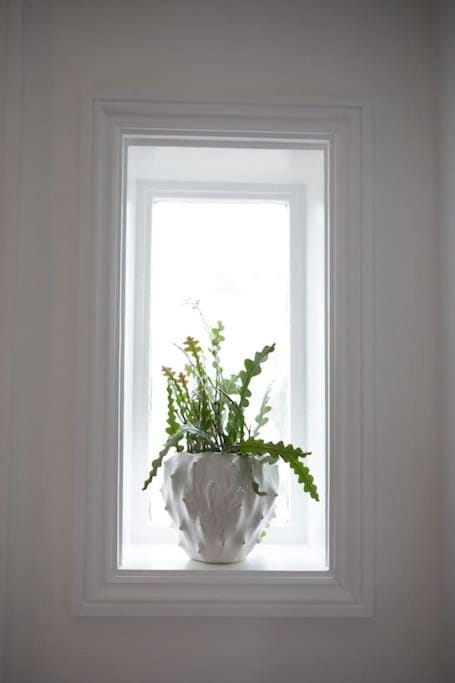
(208, 49)
(446, 178)
(5, 364)
(10, 60)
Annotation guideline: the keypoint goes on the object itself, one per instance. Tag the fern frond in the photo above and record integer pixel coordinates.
(216, 340)
(172, 423)
(290, 454)
(230, 385)
(261, 418)
(251, 369)
(193, 347)
(178, 400)
(173, 442)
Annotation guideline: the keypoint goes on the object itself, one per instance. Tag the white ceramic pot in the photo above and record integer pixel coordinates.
(209, 496)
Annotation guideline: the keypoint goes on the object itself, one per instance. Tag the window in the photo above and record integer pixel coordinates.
(301, 171)
(242, 231)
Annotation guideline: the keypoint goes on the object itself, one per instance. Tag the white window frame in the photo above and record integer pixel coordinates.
(345, 589)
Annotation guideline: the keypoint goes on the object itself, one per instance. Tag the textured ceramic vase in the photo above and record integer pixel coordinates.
(210, 499)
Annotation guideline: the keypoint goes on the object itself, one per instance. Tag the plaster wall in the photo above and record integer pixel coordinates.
(381, 50)
(446, 185)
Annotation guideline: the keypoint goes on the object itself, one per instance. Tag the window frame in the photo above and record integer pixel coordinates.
(345, 589)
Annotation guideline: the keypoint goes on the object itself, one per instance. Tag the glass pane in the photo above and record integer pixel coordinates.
(232, 256)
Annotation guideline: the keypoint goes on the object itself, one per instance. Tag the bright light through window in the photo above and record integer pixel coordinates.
(233, 257)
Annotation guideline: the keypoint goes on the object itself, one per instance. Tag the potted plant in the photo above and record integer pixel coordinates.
(221, 482)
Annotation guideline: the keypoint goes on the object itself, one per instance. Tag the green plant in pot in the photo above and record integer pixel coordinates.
(220, 478)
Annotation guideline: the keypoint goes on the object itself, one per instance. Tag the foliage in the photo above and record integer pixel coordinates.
(206, 411)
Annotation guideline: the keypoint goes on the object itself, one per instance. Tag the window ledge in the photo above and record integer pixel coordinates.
(263, 558)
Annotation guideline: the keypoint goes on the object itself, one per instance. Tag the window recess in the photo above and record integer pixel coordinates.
(242, 231)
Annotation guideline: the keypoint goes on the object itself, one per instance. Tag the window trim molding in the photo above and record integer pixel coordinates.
(99, 588)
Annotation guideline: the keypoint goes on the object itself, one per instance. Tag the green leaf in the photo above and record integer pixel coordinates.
(278, 449)
(173, 441)
(252, 368)
(289, 454)
(172, 424)
(192, 346)
(216, 339)
(261, 419)
(230, 385)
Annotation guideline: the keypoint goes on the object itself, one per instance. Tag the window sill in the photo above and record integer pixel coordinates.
(263, 558)
(275, 581)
